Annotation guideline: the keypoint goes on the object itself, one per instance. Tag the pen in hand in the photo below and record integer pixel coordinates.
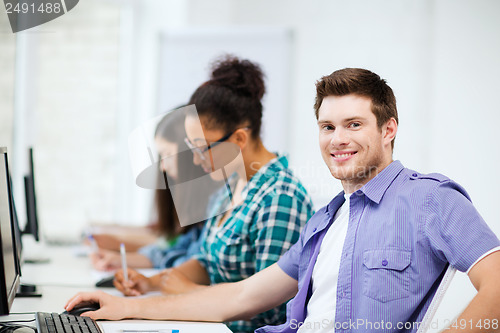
(93, 244)
(124, 261)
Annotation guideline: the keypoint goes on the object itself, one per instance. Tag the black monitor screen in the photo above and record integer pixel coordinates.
(9, 274)
(31, 210)
(15, 227)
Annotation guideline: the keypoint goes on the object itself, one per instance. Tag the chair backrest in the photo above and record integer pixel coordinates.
(438, 297)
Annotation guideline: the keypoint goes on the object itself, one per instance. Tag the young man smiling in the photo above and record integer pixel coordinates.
(371, 260)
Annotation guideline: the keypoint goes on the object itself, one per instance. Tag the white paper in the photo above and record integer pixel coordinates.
(150, 326)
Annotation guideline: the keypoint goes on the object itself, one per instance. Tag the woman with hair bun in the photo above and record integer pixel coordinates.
(269, 204)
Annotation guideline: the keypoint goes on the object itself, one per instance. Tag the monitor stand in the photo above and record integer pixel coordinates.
(28, 290)
(36, 260)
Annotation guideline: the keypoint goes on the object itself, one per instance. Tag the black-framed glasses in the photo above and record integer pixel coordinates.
(200, 151)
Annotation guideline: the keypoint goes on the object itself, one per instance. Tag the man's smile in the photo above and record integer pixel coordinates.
(342, 155)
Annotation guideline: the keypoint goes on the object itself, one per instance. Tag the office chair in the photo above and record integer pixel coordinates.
(436, 301)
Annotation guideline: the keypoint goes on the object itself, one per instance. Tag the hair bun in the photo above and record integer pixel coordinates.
(241, 76)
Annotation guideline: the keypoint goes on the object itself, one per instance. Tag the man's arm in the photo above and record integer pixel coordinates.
(223, 302)
(484, 308)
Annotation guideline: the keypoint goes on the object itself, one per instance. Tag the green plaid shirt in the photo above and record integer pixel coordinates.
(275, 208)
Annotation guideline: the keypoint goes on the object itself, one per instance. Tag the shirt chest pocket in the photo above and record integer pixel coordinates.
(386, 276)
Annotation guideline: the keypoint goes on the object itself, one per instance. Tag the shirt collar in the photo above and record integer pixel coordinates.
(335, 204)
(221, 198)
(280, 162)
(377, 186)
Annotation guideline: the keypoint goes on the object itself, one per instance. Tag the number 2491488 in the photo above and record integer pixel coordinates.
(470, 324)
(43, 7)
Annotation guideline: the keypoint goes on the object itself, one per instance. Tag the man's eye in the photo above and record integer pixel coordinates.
(327, 127)
(354, 125)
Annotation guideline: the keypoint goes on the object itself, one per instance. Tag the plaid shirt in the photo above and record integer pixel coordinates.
(275, 208)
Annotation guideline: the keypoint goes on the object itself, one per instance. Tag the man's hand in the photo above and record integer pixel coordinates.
(136, 285)
(485, 306)
(111, 307)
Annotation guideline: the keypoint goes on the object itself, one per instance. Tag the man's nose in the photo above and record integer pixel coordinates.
(340, 138)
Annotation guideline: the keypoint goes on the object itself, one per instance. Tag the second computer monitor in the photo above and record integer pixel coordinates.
(31, 209)
(9, 262)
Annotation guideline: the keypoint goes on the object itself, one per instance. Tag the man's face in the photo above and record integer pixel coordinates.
(352, 145)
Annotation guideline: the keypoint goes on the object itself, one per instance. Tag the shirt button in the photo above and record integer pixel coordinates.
(384, 262)
(415, 175)
(315, 229)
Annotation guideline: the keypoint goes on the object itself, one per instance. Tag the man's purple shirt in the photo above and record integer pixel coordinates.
(404, 229)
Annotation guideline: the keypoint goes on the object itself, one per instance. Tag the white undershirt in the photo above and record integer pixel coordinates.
(321, 307)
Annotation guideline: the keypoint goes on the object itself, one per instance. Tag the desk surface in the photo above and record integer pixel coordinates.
(65, 275)
(67, 266)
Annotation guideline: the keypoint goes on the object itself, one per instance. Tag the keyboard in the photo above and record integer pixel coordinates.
(65, 323)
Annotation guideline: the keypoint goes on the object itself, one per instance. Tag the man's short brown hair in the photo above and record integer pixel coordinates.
(361, 82)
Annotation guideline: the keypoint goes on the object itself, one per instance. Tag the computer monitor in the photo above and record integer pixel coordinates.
(29, 190)
(25, 290)
(9, 262)
(15, 226)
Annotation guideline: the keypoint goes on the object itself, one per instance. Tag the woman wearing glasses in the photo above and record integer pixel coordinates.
(262, 208)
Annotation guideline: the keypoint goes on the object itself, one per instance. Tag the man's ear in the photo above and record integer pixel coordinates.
(389, 131)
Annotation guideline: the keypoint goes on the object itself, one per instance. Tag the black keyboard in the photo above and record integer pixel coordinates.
(64, 323)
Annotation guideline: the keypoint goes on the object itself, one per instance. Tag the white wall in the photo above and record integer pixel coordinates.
(465, 113)
(7, 79)
(69, 107)
(140, 35)
(465, 109)
(84, 81)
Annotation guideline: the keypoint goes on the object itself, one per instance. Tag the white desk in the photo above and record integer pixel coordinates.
(65, 275)
(65, 268)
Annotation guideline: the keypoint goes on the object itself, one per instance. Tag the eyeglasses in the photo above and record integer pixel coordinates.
(200, 151)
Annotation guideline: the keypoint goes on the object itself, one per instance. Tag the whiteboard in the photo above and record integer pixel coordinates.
(186, 55)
